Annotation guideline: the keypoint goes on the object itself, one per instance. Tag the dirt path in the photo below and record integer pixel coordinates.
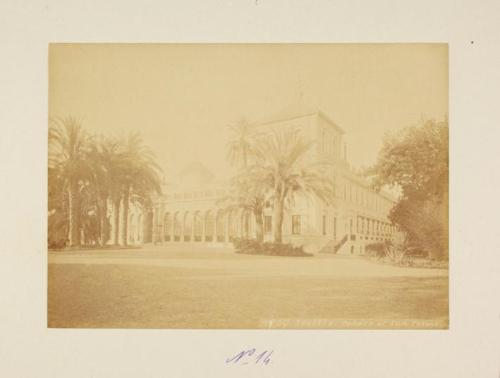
(233, 264)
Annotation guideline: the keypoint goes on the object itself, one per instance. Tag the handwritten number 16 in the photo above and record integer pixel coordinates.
(266, 360)
(264, 356)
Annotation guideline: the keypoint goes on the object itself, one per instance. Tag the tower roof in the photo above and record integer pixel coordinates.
(296, 111)
(195, 173)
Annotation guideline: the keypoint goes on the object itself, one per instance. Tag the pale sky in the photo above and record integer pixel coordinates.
(182, 97)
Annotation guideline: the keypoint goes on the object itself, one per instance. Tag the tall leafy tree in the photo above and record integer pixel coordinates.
(416, 161)
(283, 165)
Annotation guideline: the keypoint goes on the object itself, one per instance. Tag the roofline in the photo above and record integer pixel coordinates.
(318, 112)
(328, 119)
(284, 119)
(360, 179)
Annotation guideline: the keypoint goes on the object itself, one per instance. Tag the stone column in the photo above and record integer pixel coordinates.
(203, 224)
(228, 225)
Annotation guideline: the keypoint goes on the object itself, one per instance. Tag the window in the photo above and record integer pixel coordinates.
(296, 224)
(268, 223)
(324, 224)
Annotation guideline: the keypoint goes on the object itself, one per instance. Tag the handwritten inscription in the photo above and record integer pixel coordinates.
(251, 356)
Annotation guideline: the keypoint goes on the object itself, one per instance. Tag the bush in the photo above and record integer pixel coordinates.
(254, 247)
(386, 250)
(57, 231)
(376, 249)
(56, 244)
(403, 254)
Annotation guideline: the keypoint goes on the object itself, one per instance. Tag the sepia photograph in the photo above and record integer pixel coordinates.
(248, 186)
(249, 189)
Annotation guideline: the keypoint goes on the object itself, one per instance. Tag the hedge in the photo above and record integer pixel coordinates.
(255, 247)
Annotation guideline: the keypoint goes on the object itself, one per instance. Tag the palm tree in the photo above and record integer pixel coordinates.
(239, 148)
(141, 179)
(108, 165)
(283, 164)
(68, 149)
(57, 210)
(248, 196)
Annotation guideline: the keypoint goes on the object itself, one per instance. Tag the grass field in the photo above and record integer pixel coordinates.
(164, 288)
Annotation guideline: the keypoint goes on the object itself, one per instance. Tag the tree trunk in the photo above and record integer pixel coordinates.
(101, 238)
(259, 225)
(116, 221)
(103, 212)
(278, 220)
(245, 160)
(125, 217)
(244, 232)
(74, 230)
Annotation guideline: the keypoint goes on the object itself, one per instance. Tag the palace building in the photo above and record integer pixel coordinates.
(189, 212)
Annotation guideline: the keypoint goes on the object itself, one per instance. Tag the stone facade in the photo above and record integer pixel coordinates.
(188, 211)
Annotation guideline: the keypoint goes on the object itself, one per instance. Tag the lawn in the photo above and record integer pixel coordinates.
(161, 288)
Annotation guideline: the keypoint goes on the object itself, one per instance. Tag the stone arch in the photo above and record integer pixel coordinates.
(167, 227)
(245, 224)
(209, 226)
(187, 226)
(132, 227)
(198, 226)
(177, 227)
(139, 229)
(220, 226)
(232, 225)
(147, 226)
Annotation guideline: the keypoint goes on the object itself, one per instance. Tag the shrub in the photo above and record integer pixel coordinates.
(57, 231)
(386, 250)
(376, 249)
(403, 254)
(254, 247)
